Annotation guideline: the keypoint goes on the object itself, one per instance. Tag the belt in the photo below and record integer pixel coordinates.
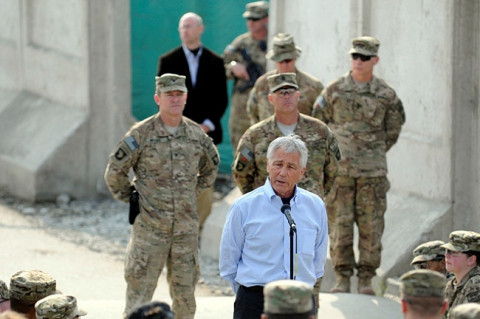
(254, 288)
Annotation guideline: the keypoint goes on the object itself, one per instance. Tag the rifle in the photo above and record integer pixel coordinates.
(134, 205)
(254, 70)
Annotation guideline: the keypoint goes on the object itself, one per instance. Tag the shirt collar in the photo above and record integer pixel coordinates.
(270, 193)
(189, 53)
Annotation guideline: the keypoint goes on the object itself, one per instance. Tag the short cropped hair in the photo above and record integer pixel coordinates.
(290, 144)
(193, 15)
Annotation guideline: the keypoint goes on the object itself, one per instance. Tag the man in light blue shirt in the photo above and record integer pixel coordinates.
(255, 245)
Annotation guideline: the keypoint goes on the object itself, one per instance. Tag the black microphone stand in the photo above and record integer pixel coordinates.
(291, 252)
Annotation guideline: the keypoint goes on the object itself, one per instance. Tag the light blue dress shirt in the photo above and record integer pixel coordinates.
(255, 244)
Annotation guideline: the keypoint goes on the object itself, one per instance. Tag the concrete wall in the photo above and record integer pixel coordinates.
(64, 94)
(430, 54)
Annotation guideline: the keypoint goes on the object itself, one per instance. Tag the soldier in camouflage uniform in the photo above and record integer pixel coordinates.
(250, 164)
(58, 306)
(284, 54)
(173, 161)
(423, 294)
(466, 311)
(430, 255)
(4, 297)
(287, 299)
(462, 259)
(245, 62)
(366, 116)
(27, 287)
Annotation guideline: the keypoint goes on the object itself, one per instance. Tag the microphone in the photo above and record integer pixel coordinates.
(286, 211)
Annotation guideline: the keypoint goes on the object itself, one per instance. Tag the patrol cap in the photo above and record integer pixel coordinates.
(154, 310)
(428, 251)
(462, 240)
(287, 297)
(58, 306)
(283, 48)
(29, 286)
(468, 310)
(277, 81)
(256, 10)
(4, 293)
(423, 283)
(170, 82)
(365, 46)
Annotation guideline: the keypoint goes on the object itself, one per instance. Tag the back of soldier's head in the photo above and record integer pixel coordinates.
(288, 299)
(29, 286)
(423, 291)
(152, 310)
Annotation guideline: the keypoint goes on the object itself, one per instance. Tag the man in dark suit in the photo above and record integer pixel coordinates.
(206, 81)
(207, 87)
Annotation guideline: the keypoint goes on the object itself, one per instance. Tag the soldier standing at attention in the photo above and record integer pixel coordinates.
(245, 62)
(462, 257)
(250, 165)
(366, 116)
(173, 161)
(203, 70)
(285, 54)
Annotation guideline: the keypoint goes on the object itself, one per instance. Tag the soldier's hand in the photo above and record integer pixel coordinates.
(205, 128)
(240, 71)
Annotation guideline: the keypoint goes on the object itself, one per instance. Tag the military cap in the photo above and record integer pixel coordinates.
(469, 310)
(287, 297)
(58, 306)
(428, 251)
(153, 310)
(365, 46)
(256, 10)
(4, 293)
(283, 48)
(423, 283)
(462, 240)
(29, 286)
(170, 82)
(277, 81)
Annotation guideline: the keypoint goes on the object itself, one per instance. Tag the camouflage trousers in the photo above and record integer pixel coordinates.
(360, 201)
(239, 121)
(149, 249)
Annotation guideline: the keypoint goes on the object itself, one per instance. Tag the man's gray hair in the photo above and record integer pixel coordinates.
(290, 144)
(193, 15)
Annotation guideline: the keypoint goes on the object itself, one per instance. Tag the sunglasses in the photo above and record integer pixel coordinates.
(285, 92)
(364, 58)
(286, 61)
(254, 19)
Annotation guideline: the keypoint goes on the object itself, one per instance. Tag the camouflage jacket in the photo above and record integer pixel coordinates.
(468, 290)
(169, 170)
(366, 120)
(250, 165)
(245, 46)
(259, 107)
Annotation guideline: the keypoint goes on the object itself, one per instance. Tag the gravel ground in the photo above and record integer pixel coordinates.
(101, 224)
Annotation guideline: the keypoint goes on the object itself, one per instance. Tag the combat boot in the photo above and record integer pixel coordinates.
(365, 286)
(342, 285)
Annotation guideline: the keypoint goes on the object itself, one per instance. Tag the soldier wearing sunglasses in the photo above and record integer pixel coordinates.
(367, 116)
(430, 255)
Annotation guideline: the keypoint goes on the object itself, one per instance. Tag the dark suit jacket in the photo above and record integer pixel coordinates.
(209, 98)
